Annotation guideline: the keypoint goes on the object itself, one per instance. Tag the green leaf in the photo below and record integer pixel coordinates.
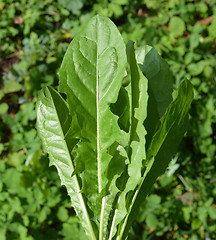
(163, 145)
(212, 29)
(151, 220)
(122, 109)
(194, 40)
(212, 212)
(1, 94)
(3, 108)
(11, 86)
(159, 87)
(1, 149)
(91, 75)
(71, 230)
(12, 180)
(177, 26)
(62, 214)
(172, 121)
(42, 215)
(72, 5)
(139, 99)
(196, 68)
(136, 145)
(53, 122)
(97, 137)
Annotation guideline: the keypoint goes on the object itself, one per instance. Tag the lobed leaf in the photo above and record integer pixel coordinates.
(136, 145)
(53, 123)
(91, 75)
(163, 145)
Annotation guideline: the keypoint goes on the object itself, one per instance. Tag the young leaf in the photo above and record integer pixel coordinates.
(163, 145)
(53, 122)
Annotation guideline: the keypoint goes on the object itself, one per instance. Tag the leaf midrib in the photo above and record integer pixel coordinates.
(103, 203)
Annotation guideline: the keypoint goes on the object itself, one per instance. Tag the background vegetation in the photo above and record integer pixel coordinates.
(34, 35)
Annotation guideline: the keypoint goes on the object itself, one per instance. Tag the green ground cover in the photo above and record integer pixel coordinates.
(34, 36)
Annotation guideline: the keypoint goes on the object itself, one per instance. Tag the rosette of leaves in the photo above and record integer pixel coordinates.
(115, 133)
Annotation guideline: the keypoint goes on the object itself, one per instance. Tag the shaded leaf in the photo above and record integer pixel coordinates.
(159, 87)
